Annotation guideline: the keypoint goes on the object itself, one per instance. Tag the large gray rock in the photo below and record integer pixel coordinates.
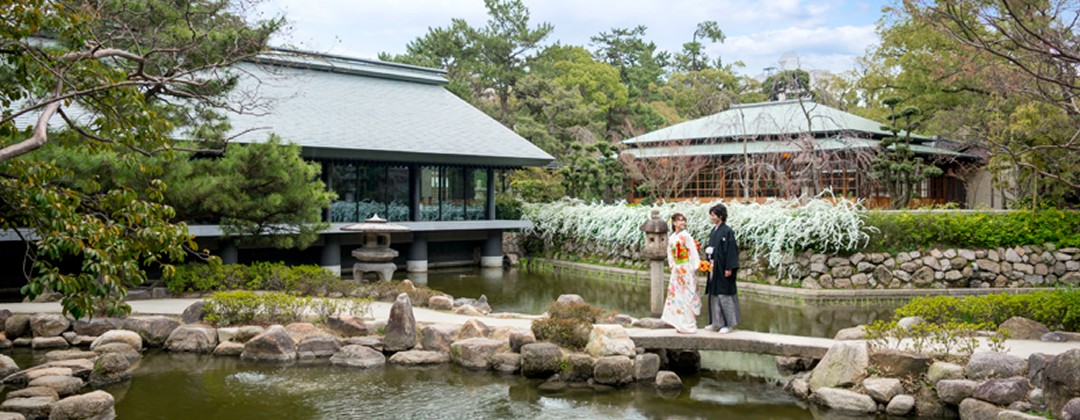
(646, 365)
(883, 390)
(844, 401)
(953, 391)
(48, 325)
(64, 385)
(32, 408)
(540, 360)
(121, 349)
(110, 368)
(437, 337)
(441, 302)
(1021, 328)
(506, 362)
(900, 364)
(229, 348)
(927, 404)
(473, 328)
(580, 367)
(154, 330)
(943, 370)
(97, 405)
(419, 358)
(23, 377)
(45, 343)
(193, 338)
(1061, 380)
(853, 333)
(57, 355)
(363, 357)
(34, 391)
(318, 345)
(843, 365)
(80, 368)
(194, 313)
(94, 327)
(7, 366)
(609, 340)
(613, 370)
(900, 405)
(1071, 410)
(347, 326)
(475, 353)
(990, 364)
(519, 338)
(16, 326)
(1003, 391)
(972, 408)
(667, 380)
(274, 345)
(569, 298)
(247, 332)
(401, 326)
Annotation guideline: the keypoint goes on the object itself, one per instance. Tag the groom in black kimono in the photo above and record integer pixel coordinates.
(723, 252)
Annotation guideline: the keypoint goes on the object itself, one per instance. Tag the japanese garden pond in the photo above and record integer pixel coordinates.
(731, 385)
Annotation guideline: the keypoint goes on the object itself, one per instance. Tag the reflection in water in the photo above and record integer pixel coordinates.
(529, 292)
(165, 386)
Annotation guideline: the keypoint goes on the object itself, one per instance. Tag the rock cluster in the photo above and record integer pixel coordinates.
(852, 379)
(115, 348)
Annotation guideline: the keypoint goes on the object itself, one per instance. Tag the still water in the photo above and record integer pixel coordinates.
(735, 386)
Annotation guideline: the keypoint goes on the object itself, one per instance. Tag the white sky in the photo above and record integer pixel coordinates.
(821, 34)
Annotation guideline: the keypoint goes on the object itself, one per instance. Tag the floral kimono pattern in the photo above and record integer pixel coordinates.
(683, 304)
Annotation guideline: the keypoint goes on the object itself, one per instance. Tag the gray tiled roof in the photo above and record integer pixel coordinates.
(757, 147)
(768, 119)
(338, 107)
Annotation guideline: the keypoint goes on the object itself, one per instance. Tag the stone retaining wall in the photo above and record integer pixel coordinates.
(1019, 267)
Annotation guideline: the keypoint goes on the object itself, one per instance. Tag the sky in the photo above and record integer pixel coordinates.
(808, 34)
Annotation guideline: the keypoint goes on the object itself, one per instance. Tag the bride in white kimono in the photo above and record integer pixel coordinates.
(683, 304)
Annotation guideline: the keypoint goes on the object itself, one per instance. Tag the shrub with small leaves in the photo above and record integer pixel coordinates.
(1056, 309)
(954, 341)
(245, 307)
(568, 324)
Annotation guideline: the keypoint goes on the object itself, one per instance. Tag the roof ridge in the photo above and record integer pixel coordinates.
(773, 103)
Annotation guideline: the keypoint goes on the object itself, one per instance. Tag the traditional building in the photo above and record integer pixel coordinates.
(392, 142)
(788, 149)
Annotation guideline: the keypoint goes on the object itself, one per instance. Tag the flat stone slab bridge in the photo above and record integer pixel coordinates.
(737, 341)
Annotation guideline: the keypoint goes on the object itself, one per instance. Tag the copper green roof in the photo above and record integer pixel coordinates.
(765, 120)
(774, 146)
(347, 108)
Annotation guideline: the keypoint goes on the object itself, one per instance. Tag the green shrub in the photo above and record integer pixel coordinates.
(954, 341)
(387, 291)
(304, 279)
(568, 325)
(1057, 309)
(245, 307)
(507, 208)
(914, 230)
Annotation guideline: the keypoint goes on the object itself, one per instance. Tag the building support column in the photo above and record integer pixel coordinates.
(491, 254)
(331, 254)
(414, 193)
(490, 208)
(229, 253)
(417, 259)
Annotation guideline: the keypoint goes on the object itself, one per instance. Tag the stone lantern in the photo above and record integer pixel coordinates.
(376, 254)
(655, 251)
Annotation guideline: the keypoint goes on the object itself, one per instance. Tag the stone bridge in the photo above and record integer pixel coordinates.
(737, 341)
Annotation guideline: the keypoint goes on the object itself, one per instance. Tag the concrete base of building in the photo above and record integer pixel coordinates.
(418, 266)
(336, 269)
(496, 261)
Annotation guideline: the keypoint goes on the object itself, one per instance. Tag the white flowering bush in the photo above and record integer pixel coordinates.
(771, 231)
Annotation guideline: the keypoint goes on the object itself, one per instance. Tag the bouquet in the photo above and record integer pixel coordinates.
(704, 266)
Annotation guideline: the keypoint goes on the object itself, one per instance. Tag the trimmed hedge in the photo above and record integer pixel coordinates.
(244, 307)
(918, 230)
(303, 279)
(1057, 309)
